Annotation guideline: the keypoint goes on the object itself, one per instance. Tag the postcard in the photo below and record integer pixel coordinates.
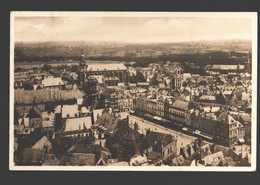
(133, 91)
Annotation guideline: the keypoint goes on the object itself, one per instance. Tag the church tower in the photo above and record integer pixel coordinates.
(248, 63)
(176, 79)
(82, 67)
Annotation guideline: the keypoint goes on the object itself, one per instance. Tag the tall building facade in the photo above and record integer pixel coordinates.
(113, 72)
(176, 79)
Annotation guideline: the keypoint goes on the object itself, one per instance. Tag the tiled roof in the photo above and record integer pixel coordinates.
(80, 123)
(181, 104)
(35, 112)
(227, 67)
(106, 67)
(69, 111)
(33, 138)
(211, 109)
(210, 158)
(47, 123)
(108, 121)
(52, 82)
(208, 97)
(45, 95)
(226, 118)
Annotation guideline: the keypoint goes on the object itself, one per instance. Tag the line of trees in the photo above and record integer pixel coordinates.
(200, 59)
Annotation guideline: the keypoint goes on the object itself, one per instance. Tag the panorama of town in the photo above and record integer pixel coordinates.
(131, 91)
(118, 113)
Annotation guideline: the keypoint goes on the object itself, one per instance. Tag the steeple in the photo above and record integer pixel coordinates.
(82, 67)
(248, 65)
(82, 59)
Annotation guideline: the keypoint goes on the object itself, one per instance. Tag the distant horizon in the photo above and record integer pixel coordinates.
(141, 43)
(122, 29)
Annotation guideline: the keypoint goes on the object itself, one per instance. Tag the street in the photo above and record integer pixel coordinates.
(143, 125)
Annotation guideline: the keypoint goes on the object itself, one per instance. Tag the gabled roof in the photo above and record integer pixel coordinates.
(226, 118)
(181, 104)
(80, 123)
(33, 138)
(211, 109)
(208, 97)
(35, 112)
(69, 111)
(45, 95)
(210, 158)
(52, 82)
(108, 122)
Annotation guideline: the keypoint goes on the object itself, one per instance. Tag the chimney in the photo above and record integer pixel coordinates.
(34, 101)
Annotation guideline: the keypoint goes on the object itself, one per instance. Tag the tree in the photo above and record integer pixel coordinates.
(139, 77)
(74, 68)
(46, 67)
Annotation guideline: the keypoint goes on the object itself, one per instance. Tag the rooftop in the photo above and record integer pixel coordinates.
(69, 111)
(208, 97)
(45, 95)
(106, 67)
(52, 82)
(80, 123)
(181, 104)
(226, 67)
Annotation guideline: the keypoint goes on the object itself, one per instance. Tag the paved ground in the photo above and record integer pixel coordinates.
(182, 139)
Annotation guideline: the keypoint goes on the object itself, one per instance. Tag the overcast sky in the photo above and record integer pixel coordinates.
(131, 29)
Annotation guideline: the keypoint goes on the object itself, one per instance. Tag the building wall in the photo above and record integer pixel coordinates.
(203, 124)
(125, 104)
(177, 115)
(223, 133)
(170, 151)
(122, 75)
(160, 108)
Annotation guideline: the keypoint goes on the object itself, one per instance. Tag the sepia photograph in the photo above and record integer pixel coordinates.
(133, 91)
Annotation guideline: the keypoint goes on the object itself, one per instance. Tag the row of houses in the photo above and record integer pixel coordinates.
(162, 108)
(213, 123)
